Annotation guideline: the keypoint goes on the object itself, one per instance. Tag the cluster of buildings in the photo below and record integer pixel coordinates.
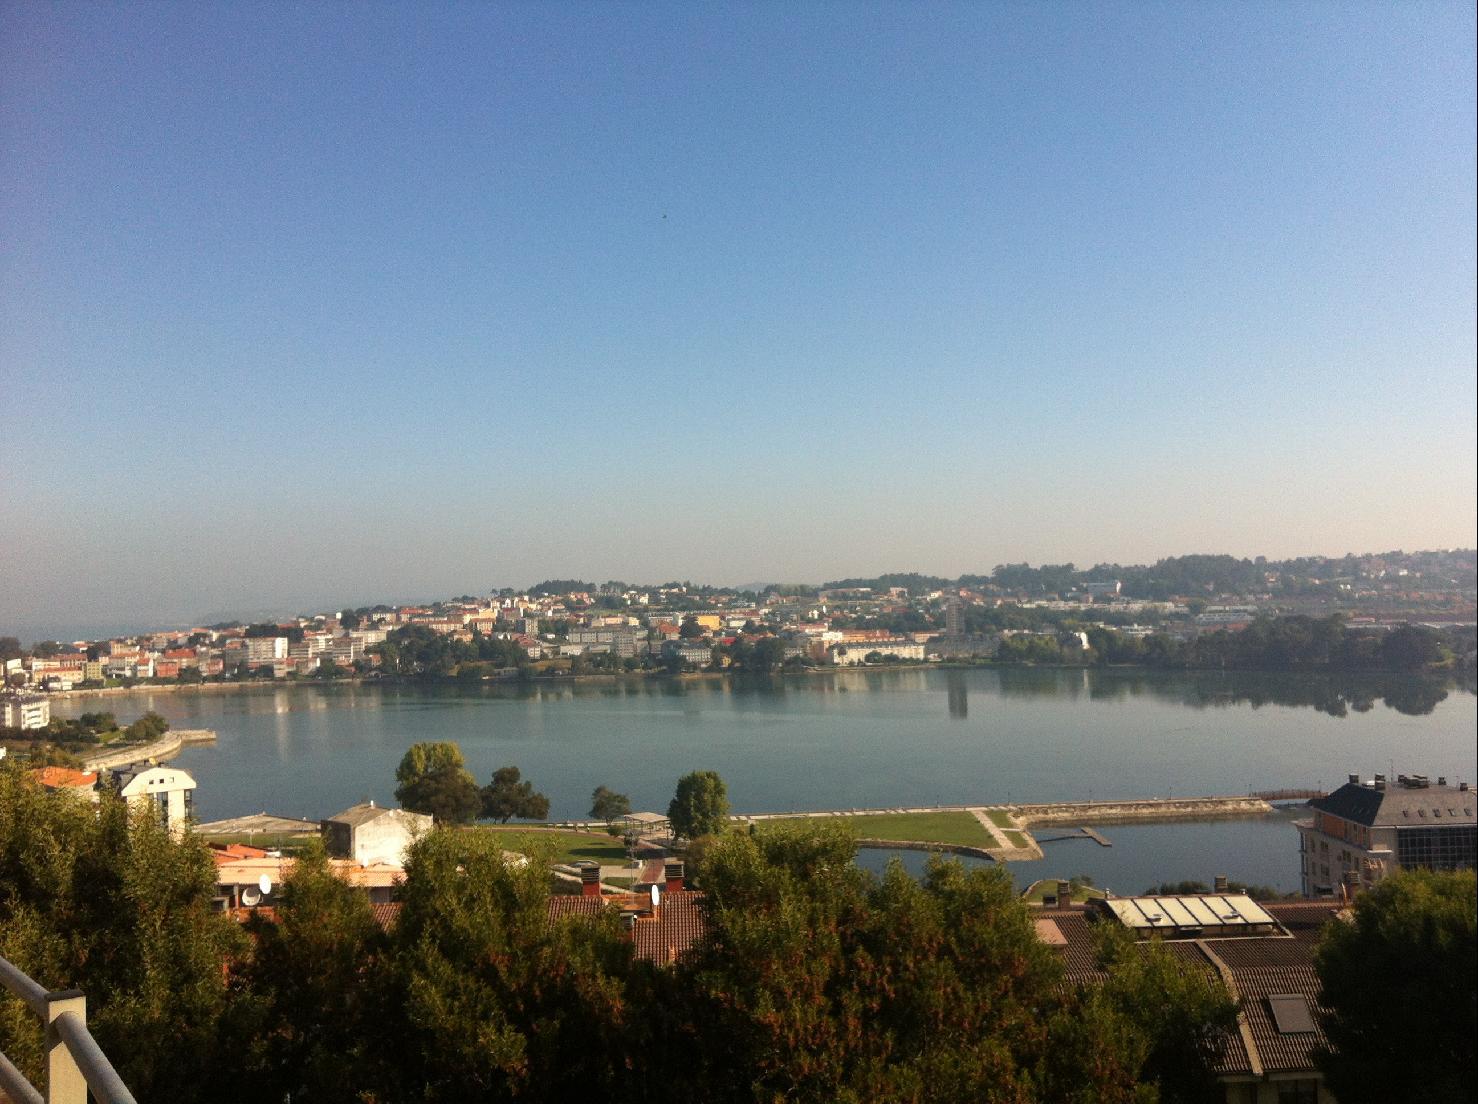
(677, 623)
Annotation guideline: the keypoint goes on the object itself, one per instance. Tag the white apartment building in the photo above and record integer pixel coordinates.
(25, 711)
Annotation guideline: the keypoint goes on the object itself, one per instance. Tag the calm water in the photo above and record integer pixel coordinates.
(847, 739)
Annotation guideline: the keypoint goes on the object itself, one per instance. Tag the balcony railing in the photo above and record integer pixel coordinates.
(74, 1061)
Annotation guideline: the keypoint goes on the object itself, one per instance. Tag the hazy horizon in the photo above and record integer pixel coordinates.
(310, 305)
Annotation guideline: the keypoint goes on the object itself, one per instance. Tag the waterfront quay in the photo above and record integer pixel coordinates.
(1003, 832)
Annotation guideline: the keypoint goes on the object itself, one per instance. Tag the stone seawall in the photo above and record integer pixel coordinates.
(1104, 812)
(163, 748)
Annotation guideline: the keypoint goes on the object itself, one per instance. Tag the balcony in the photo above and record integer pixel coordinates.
(74, 1061)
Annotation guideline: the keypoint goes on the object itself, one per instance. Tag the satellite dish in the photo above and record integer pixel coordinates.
(264, 883)
(656, 896)
(251, 897)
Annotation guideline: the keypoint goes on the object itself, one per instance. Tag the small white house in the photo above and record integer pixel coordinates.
(371, 833)
(167, 790)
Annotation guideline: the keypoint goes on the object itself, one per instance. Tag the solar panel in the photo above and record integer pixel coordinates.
(1291, 1013)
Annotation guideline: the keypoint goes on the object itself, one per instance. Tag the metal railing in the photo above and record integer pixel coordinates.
(74, 1061)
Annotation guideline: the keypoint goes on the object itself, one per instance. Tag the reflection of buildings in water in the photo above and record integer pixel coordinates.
(958, 693)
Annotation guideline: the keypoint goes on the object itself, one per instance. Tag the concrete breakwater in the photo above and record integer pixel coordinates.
(163, 748)
(1107, 812)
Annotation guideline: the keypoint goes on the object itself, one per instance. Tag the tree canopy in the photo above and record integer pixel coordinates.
(606, 804)
(700, 807)
(507, 795)
(432, 779)
(1399, 983)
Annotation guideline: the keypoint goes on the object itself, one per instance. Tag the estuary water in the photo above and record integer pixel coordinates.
(848, 739)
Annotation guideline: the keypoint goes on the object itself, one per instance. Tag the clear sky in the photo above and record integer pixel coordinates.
(311, 304)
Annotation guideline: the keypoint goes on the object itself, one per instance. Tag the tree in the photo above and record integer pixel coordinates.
(103, 899)
(349, 620)
(607, 805)
(690, 629)
(432, 779)
(10, 648)
(506, 796)
(306, 1013)
(149, 727)
(490, 1000)
(1398, 983)
(700, 807)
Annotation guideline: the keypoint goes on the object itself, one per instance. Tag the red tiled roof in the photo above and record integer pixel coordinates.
(56, 778)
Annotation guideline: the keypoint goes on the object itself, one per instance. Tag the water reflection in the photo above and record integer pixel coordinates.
(959, 695)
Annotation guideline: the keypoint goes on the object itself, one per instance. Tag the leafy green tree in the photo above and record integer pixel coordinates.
(690, 629)
(305, 1008)
(1398, 982)
(607, 804)
(507, 795)
(492, 1001)
(149, 727)
(103, 899)
(10, 648)
(827, 983)
(432, 779)
(700, 807)
(1175, 1018)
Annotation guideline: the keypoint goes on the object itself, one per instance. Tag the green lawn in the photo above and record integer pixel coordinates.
(1033, 893)
(1000, 818)
(567, 846)
(951, 827)
(1016, 839)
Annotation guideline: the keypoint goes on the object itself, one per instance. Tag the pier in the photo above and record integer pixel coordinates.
(163, 748)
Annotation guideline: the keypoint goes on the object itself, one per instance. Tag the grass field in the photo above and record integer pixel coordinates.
(951, 827)
(1000, 818)
(567, 846)
(1016, 839)
(1033, 893)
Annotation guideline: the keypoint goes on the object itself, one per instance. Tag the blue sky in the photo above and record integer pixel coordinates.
(309, 304)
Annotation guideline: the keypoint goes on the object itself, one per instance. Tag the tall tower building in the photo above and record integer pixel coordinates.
(954, 618)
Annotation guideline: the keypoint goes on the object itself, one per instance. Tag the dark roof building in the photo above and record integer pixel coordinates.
(1365, 830)
(1269, 1059)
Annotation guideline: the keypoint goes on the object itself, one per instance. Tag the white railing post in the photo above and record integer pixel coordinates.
(64, 1081)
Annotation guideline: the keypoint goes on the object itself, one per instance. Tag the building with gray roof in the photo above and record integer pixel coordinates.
(1365, 830)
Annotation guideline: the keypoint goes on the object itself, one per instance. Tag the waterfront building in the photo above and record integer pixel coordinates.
(1364, 831)
(169, 791)
(372, 834)
(262, 650)
(24, 711)
(851, 654)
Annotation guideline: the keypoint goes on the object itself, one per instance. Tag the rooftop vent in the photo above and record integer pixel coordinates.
(1354, 780)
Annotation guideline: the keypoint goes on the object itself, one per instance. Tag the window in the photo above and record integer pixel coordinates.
(1438, 848)
(1298, 1092)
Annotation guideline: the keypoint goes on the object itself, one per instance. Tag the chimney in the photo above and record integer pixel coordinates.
(1380, 782)
(673, 874)
(1463, 786)
(589, 879)
(1350, 885)
(1221, 883)
(1354, 780)
(1064, 893)
(1441, 780)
